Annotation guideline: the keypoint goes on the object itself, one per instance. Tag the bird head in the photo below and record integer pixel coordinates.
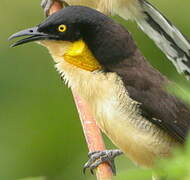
(78, 31)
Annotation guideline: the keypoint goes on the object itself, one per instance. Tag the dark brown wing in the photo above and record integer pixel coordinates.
(163, 109)
(146, 85)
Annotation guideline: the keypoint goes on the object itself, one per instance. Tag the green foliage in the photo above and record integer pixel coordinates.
(134, 174)
(180, 90)
(177, 167)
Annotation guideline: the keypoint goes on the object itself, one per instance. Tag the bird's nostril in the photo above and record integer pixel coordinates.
(31, 31)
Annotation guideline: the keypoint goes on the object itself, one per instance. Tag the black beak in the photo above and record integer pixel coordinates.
(34, 35)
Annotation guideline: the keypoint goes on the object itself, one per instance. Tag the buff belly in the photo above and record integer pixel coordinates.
(118, 115)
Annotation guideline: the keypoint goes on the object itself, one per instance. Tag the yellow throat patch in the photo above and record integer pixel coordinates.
(79, 55)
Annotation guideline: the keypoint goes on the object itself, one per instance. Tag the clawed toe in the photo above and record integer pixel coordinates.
(98, 157)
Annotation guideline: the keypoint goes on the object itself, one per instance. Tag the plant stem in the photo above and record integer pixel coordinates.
(93, 136)
(91, 131)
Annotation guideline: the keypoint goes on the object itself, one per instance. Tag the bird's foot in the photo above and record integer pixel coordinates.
(98, 157)
(46, 5)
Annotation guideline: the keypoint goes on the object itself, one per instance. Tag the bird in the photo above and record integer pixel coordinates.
(98, 58)
(153, 23)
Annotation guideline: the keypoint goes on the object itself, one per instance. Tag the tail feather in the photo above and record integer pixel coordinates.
(165, 35)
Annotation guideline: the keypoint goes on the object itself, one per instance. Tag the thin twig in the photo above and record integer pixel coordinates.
(91, 131)
(93, 136)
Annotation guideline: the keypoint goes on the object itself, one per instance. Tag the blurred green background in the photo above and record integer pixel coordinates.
(40, 132)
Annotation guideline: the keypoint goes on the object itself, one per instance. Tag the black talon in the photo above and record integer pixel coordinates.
(91, 153)
(98, 157)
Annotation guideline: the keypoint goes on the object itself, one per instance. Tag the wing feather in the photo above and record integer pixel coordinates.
(146, 85)
(165, 35)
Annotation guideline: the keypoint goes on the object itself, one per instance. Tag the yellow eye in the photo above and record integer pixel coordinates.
(62, 28)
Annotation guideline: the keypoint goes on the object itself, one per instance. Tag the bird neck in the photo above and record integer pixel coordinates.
(76, 53)
(110, 43)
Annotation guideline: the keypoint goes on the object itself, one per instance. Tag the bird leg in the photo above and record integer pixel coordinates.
(46, 5)
(98, 157)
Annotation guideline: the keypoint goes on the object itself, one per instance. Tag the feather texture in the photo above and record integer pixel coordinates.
(165, 35)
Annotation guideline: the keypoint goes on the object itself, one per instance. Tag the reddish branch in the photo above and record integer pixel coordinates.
(91, 131)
